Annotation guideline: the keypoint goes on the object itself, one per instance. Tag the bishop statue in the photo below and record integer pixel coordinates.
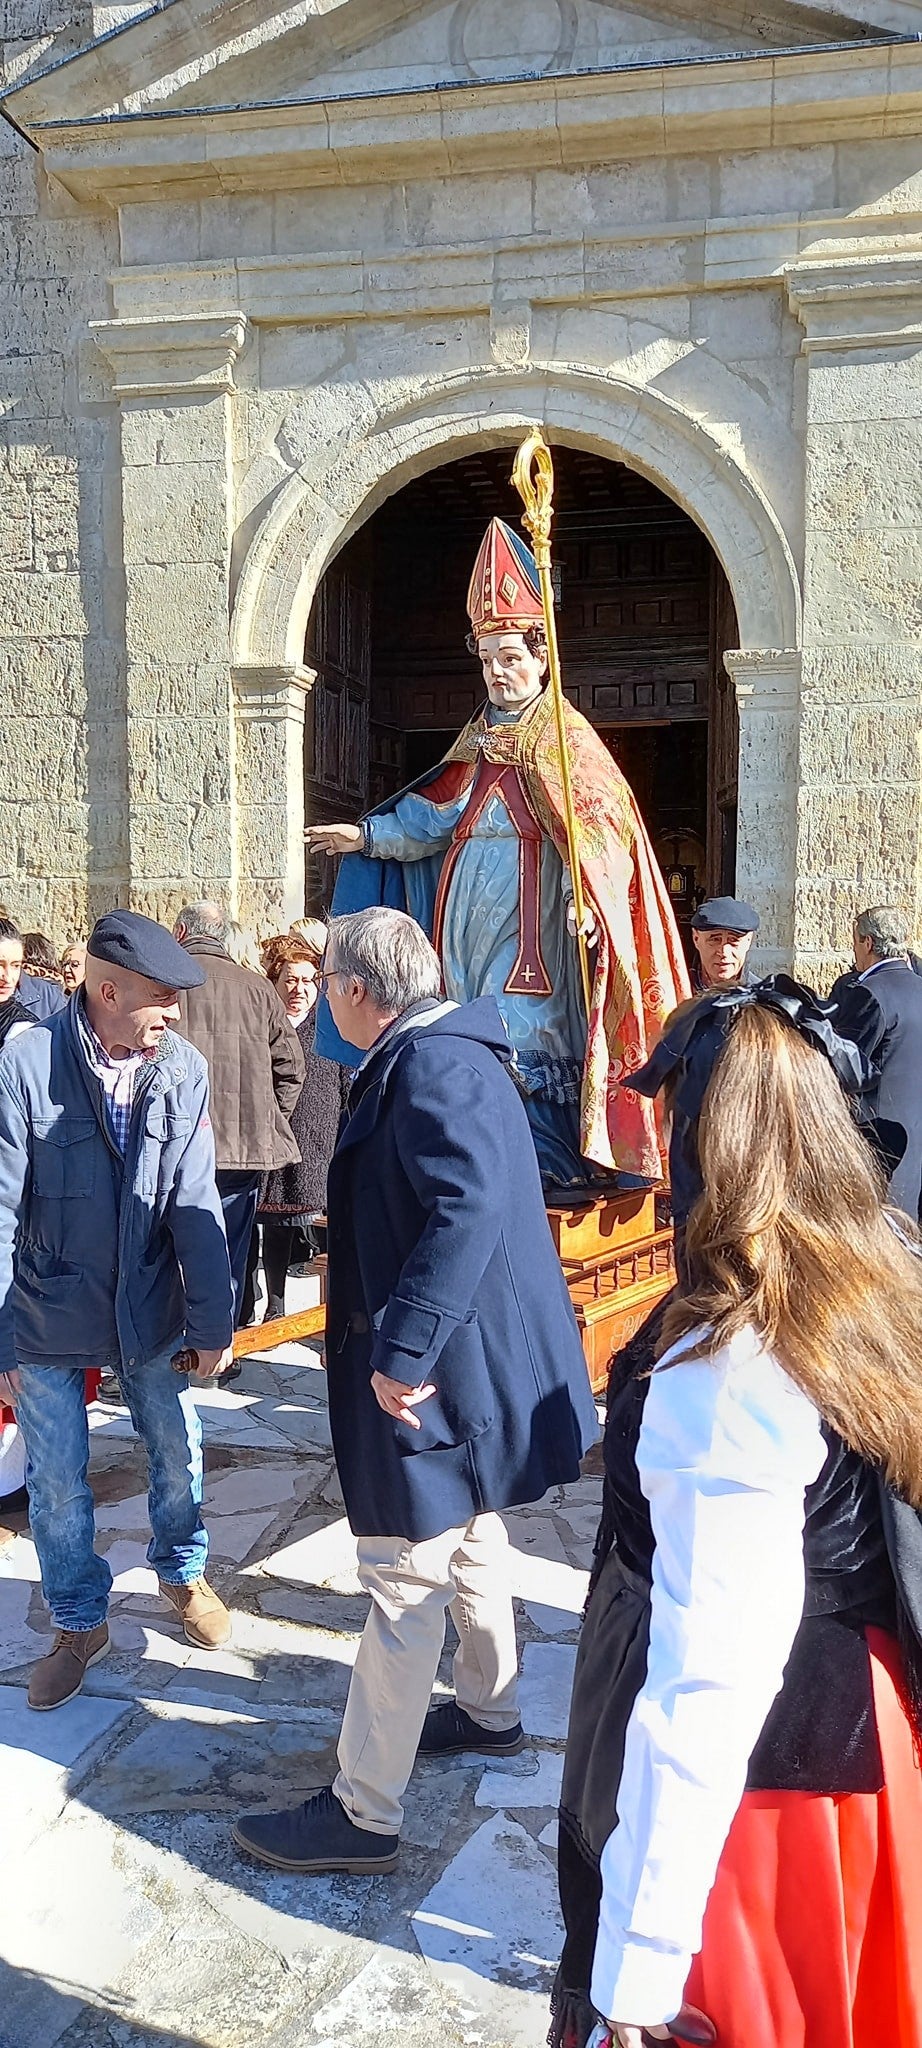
(476, 850)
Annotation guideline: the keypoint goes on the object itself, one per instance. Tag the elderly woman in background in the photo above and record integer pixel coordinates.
(294, 1197)
(73, 966)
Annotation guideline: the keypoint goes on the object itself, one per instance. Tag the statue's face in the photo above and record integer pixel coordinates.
(513, 675)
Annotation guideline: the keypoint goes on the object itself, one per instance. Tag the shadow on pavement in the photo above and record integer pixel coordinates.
(47, 2008)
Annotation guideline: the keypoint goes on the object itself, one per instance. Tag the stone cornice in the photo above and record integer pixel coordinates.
(508, 280)
(764, 678)
(268, 692)
(167, 356)
(850, 303)
(752, 102)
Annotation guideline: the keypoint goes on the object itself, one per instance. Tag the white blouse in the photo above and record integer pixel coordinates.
(727, 1446)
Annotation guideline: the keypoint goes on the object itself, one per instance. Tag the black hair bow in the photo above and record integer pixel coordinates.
(694, 1040)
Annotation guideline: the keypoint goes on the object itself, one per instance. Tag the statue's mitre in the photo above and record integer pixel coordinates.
(504, 594)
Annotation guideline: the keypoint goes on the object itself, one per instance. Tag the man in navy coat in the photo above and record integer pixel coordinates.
(881, 1009)
(457, 1383)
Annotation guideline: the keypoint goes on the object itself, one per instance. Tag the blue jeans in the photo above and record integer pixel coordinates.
(51, 1413)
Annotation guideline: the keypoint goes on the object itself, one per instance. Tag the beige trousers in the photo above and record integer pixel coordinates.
(411, 1584)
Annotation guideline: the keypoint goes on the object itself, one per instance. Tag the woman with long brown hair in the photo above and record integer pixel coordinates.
(741, 1822)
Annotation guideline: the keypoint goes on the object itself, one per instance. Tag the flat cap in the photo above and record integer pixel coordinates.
(126, 939)
(725, 914)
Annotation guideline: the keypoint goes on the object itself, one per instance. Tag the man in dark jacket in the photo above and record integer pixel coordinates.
(457, 1383)
(882, 1011)
(112, 1253)
(257, 1073)
(722, 929)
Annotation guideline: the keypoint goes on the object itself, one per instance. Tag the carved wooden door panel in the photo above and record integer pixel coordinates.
(338, 647)
(723, 741)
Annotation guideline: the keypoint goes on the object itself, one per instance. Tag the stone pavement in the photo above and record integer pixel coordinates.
(127, 1919)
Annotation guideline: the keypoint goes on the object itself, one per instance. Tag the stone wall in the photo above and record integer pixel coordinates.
(63, 844)
(215, 378)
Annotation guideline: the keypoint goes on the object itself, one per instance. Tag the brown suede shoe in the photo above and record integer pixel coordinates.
(204, 1617)
(60, 1675)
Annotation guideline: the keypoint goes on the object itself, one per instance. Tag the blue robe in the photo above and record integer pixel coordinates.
(406, 840)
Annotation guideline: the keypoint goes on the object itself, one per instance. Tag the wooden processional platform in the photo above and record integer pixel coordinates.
(617, 1257)
(618, 1262)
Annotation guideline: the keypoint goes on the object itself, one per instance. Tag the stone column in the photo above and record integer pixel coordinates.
(860, 798)
(767, 685)
(270, 702)
(173, 379)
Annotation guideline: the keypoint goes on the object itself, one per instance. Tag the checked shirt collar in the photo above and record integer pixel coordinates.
(118, 1078)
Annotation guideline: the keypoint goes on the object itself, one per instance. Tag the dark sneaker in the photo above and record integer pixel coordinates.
(275, 1308)
(230, 1374)
(61, 1674)
(448, 1728)
(317, 1835)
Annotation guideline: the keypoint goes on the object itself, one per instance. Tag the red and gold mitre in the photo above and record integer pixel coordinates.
(504, 595)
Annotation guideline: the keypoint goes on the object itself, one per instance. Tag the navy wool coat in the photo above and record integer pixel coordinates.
(443, 1271)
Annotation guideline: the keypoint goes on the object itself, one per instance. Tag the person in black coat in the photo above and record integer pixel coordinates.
(457, 1383)
(882, 1011)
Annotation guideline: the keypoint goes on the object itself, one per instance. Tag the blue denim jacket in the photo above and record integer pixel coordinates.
(103, 1258)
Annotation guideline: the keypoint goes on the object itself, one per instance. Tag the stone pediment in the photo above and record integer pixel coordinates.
(208, 54)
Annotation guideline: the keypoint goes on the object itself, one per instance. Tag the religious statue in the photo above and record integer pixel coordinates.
(479, 851)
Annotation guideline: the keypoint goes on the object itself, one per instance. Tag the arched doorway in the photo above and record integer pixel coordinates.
(644, 615)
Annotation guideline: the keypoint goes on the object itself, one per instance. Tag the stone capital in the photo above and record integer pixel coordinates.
(271, 693)
(853, 302)
(764, 678)
(156, 358)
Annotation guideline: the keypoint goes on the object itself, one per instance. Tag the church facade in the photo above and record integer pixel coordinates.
(269, 268)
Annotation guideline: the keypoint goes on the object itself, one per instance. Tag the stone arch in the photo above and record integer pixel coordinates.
(318, 509)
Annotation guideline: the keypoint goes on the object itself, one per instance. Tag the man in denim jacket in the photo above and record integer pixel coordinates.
(112, 1255)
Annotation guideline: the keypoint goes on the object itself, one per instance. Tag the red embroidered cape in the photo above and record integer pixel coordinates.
(638, 967)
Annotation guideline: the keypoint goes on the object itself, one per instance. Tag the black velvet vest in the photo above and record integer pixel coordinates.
(13, 1012)
(820, 1735)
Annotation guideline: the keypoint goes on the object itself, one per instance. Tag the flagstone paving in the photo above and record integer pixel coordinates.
(127, 1919)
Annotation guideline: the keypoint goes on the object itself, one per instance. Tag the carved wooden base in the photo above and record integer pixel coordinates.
(618, 1262)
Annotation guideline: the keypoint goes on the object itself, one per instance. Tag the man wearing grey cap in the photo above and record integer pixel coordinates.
(722, 932)
(112, 1255)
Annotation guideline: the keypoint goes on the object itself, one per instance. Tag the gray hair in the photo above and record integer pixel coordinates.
(204, 920)
(389, 952)
(242, 947)
(887, 928)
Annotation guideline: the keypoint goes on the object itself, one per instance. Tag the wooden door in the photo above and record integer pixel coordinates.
(338, 647)
(723, 740)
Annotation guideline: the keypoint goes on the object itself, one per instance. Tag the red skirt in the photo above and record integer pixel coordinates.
(813, 1931)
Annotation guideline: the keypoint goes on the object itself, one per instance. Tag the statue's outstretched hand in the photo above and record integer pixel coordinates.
(335, 838)
(590, 927)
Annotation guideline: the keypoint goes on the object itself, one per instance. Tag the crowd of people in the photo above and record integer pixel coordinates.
(509, 1021)
(740, 1844)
